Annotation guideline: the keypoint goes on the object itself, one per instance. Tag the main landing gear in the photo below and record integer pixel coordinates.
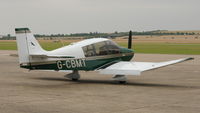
(76, 76)
(73, 76)
(120, 78)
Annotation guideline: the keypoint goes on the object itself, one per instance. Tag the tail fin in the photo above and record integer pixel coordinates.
(27, 44)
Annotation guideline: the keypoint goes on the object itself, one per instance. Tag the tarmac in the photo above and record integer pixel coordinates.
(172, 89)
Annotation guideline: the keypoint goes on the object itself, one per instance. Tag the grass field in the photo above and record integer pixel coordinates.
(143, 47)
(165, 48)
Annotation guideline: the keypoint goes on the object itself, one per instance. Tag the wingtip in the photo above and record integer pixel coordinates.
(190, 58)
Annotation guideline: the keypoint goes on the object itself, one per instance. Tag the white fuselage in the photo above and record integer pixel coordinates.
(75, 49)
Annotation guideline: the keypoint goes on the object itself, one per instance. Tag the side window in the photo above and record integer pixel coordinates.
(101, 48)
(89, 50)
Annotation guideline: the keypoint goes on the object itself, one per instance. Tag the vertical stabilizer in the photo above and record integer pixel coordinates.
(27, 44)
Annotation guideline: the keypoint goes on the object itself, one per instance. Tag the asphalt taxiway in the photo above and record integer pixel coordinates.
(172, 89)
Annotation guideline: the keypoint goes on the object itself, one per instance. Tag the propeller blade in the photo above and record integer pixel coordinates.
(130, 40)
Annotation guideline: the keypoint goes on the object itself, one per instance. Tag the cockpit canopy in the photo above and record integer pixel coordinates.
(101, 48)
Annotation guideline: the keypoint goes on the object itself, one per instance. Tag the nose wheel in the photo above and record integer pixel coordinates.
(73, 76)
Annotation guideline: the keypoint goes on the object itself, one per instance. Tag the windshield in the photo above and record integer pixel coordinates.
(101, 48)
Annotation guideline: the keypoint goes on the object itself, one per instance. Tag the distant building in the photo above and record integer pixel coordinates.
(1, 36)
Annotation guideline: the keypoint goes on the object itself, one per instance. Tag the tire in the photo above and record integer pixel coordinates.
(122, 82)
(74, 79)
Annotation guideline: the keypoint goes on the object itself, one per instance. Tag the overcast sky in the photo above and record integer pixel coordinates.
(73, 16)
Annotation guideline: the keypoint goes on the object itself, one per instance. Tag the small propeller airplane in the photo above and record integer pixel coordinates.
(97, 54)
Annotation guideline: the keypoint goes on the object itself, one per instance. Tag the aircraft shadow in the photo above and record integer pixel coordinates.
(111, 82)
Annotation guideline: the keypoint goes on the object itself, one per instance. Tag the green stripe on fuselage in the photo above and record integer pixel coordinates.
(87, 64)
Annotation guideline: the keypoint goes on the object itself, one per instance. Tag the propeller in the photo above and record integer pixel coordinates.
(130, 40)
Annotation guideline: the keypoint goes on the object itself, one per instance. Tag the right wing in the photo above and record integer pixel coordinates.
(135, 68)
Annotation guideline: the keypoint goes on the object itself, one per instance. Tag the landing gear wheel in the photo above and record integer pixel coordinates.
(75, 79)
(73, 76)
(122, 82)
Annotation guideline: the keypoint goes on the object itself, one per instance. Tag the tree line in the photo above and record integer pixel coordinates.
(105, 35)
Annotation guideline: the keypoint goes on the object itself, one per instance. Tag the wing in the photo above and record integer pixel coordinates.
(135, 68)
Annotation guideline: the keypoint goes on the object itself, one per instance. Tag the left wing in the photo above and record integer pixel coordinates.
(135, 68)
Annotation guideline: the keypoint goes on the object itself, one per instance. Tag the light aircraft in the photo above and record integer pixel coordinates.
(97, 54)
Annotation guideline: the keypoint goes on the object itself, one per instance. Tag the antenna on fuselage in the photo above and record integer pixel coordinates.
(130, 40)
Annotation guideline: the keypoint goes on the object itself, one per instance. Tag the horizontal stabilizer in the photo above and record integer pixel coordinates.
(50, 56)
(64, 71)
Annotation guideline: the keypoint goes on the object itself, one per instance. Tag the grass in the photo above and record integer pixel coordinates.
(12, 45)
(53, 45)
(166, 48)
(157, 48)
(8, 45)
